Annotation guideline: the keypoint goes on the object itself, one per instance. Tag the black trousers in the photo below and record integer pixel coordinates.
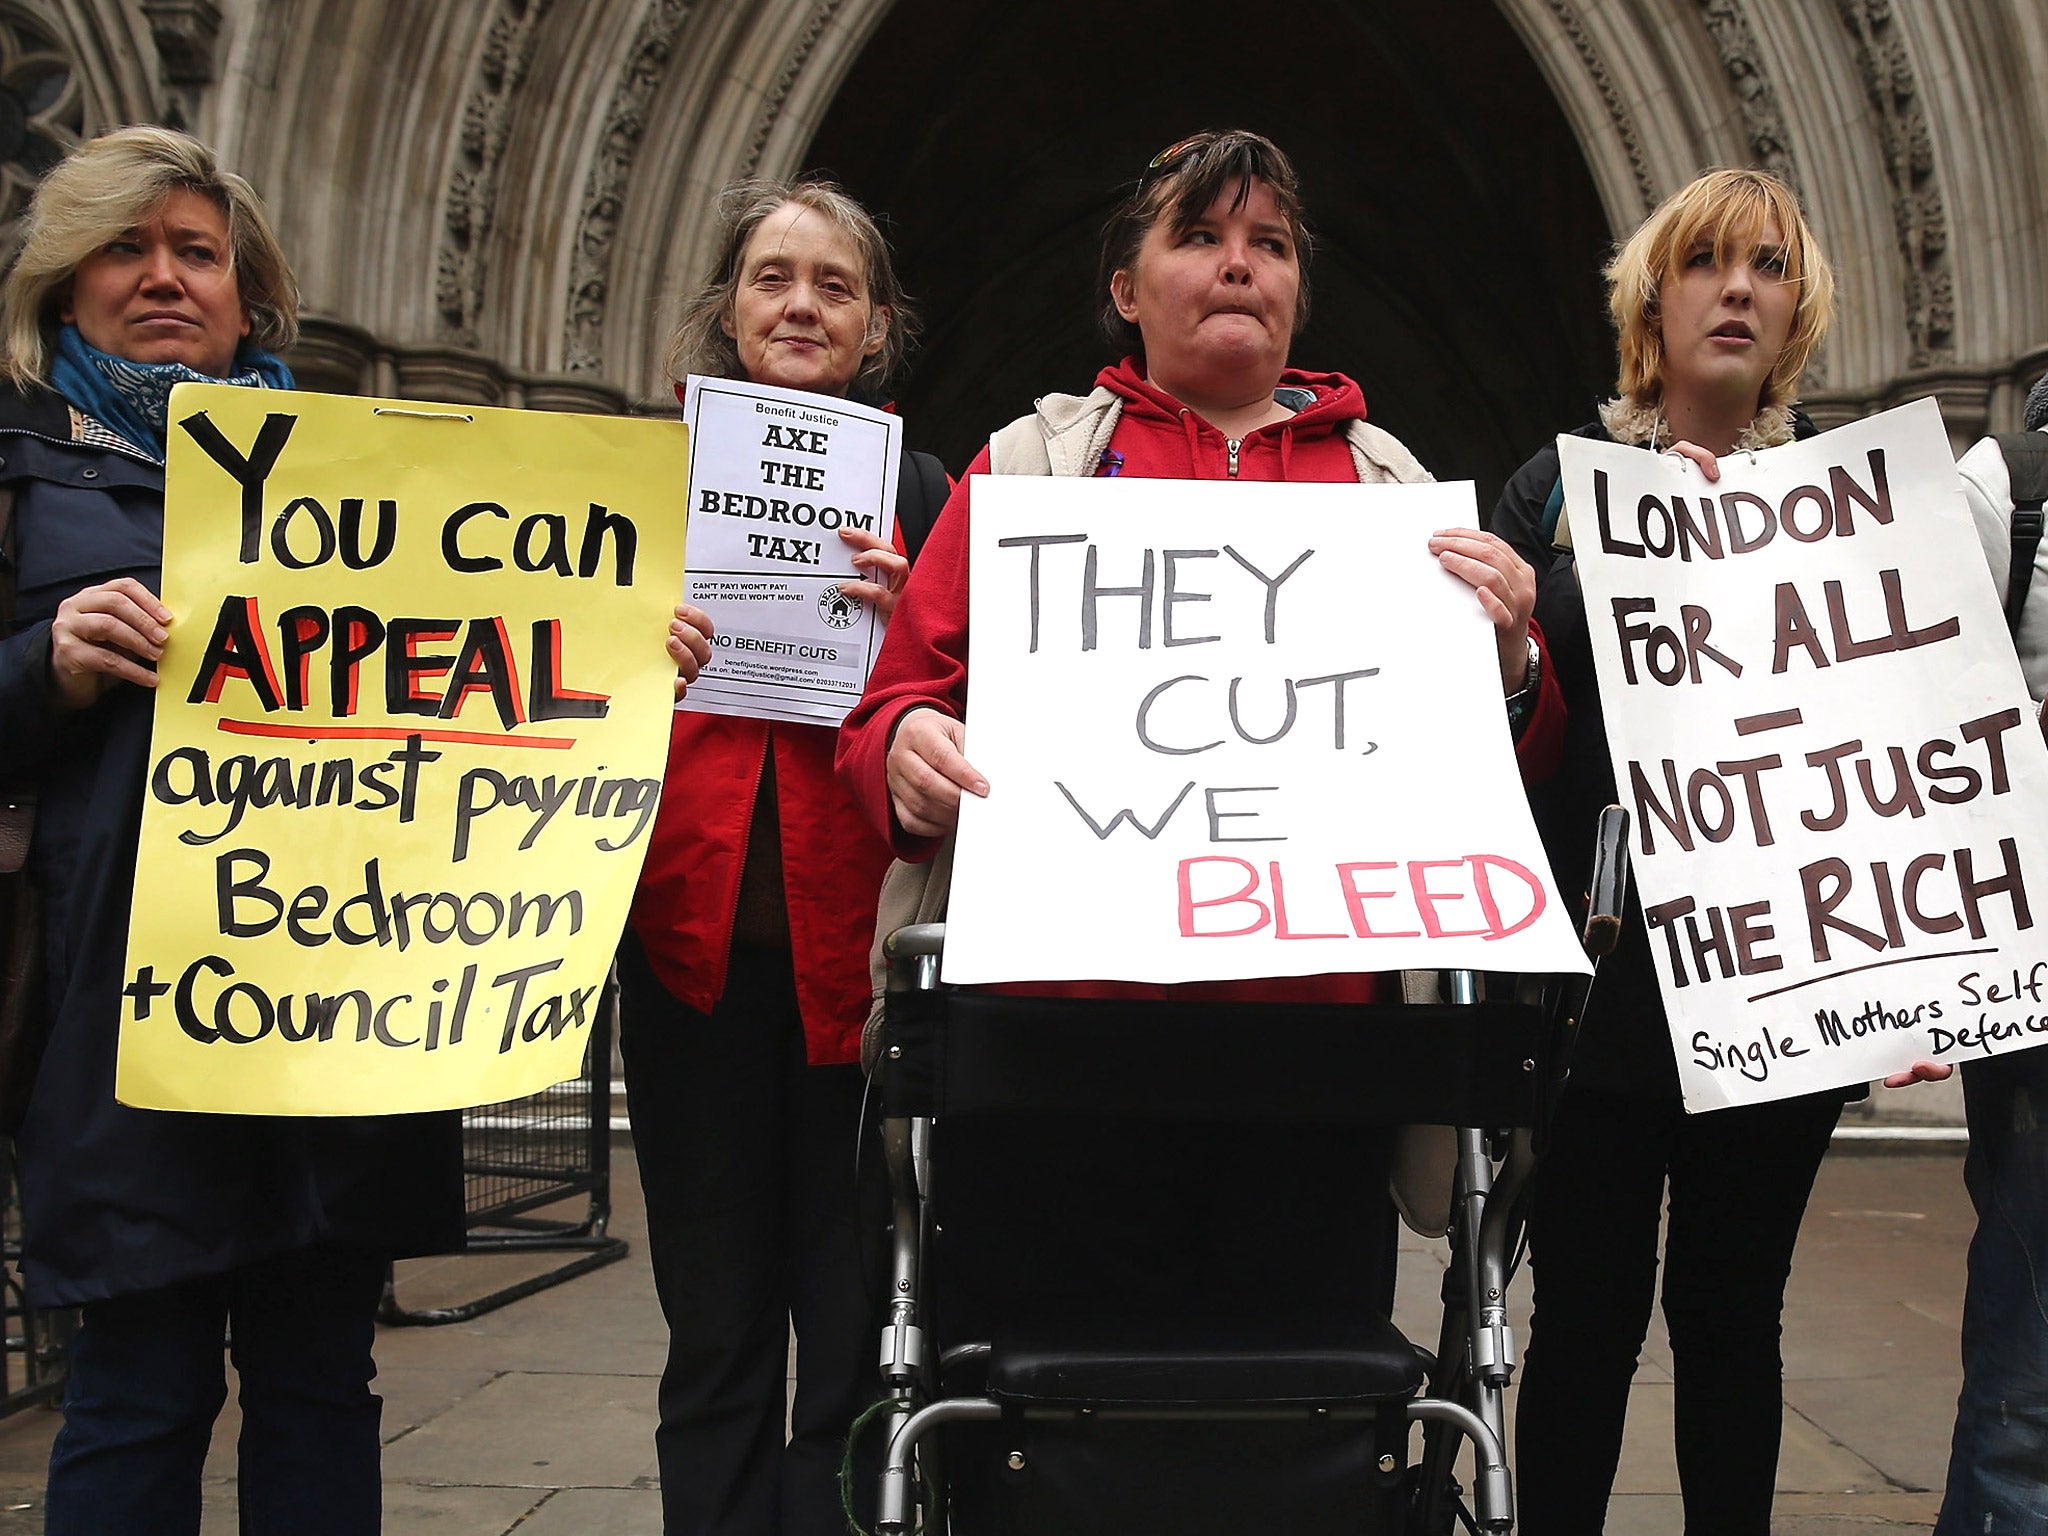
(1739, 1181)
(147, 1382)
(754, 1223)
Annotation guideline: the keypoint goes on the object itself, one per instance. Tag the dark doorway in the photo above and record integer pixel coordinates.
(1459, 234)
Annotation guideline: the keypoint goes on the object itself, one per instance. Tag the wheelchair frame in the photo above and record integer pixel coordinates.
(1467, 1379)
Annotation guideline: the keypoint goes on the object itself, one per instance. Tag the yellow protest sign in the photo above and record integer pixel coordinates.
(409, 736)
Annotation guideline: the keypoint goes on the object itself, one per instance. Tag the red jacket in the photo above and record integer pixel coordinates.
(832, 865)
(923, 663)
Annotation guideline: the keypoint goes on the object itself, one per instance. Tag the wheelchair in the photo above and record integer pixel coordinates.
(1252, 1423)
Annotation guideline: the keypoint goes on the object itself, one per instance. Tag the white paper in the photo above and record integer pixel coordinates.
(1414, 789)
(1876, 755)
(774, 473)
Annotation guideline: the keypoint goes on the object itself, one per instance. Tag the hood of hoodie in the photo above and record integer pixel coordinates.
(1314, 433)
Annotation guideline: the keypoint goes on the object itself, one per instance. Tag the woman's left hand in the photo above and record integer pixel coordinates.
(1507, 591)
(880, 561)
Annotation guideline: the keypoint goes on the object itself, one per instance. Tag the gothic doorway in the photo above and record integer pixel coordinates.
(1459, 232)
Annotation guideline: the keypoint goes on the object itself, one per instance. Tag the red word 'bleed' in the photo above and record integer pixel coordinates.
(1409, 905)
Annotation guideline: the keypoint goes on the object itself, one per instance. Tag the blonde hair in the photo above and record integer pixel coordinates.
(699, 343)
(109, 186)
(1728, 209)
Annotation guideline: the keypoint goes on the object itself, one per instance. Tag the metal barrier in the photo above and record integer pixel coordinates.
(32, 1370)
(527, 1153)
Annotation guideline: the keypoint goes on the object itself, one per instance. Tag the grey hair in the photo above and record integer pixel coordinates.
(105, 188)
(2036, 415)
(699, 343)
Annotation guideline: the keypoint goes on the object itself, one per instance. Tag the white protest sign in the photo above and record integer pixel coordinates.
(774, 475)
(1236, 731)
(1840, 798)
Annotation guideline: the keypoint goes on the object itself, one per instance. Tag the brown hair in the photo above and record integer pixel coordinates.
(105, 188)
(1179, 186)
(1728, 209)
(699, 343)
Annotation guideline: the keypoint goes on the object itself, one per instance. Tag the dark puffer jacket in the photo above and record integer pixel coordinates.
(116, 1200)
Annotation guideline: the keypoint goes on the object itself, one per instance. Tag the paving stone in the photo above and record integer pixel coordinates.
(535, 1431)
(1900, 1425)
(597, 1512)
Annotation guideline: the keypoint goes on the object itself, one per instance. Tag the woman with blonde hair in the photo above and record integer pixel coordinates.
(1719, 300)
(144, 265)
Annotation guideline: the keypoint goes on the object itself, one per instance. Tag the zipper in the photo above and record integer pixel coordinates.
(131, 454)
(1233, 444)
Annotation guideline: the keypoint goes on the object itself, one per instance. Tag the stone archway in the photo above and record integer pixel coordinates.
(495, 199)
(1459, 233)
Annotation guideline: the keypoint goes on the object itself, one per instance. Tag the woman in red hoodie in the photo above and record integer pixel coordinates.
(1204, 276)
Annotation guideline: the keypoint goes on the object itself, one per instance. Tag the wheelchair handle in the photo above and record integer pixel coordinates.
(916, 940)
(1608, 892)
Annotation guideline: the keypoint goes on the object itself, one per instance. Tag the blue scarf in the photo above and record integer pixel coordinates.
(134, 399)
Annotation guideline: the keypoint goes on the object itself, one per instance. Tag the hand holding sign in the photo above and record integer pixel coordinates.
(888, 569)
(111, 633)
(1506, 588)
(927, 773)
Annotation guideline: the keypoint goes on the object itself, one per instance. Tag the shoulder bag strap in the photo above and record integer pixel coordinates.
(2026, 460)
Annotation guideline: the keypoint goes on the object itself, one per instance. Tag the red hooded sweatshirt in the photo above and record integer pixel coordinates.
(923, 663)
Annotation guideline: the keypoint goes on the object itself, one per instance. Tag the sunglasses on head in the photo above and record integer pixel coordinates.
(1168, 157)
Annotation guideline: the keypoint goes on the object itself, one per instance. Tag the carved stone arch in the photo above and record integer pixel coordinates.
(749, 83)
(499, 199)
(109, 42)
(42, 110)
(1659, 92)
(382, 178)
(592, 228)
(1644, 91)
(573, 117)
(1965, 85)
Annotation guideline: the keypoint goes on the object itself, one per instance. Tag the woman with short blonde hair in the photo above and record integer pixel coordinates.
(1719, 302)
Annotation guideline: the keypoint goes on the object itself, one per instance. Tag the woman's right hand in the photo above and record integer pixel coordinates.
(689, 644)
(108, 634)
(927, 773)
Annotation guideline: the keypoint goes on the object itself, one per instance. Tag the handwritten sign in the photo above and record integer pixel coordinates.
(409, 737)
(1818, 724)
(775, 474)
(1236, 731)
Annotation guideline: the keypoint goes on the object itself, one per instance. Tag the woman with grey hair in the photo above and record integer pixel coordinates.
(145, 265)
(746, 971)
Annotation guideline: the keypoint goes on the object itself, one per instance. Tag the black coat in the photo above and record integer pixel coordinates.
(116, 1200)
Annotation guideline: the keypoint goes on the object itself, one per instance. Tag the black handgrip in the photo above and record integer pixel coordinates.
(1608, 892)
